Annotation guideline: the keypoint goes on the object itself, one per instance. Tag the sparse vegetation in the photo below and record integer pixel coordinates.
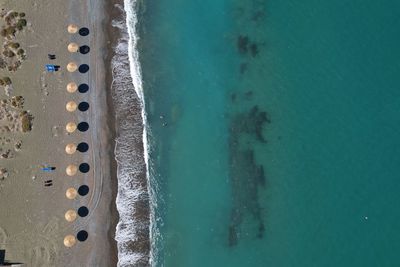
(11, 53)
(14, 45)
(21, 24)
(10, 31)
(5, 81)
(8, 53)
(21, 52)
(26, 121)
(17, 102)
(3, 33)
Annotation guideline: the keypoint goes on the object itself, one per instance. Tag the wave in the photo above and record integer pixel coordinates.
(136, 191)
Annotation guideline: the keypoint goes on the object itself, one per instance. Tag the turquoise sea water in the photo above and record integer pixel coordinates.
(275, 131)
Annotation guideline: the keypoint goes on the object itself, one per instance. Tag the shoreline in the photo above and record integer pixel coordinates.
(112, 37)
(133, 202)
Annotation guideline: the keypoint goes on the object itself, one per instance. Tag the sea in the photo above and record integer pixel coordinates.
(272, 132)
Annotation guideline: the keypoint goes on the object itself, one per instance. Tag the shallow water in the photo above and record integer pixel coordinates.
(274, 131)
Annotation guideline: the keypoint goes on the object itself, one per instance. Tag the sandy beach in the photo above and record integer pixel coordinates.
(32, 218)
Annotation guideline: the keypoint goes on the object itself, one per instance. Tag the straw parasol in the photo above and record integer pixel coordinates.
(71, 67)
(70, 149)
(70, 127)
(72, 87)
(72, 28)
(71, 106)
(70, 215)
(71, 170)
(69, 241)
(71, 193)
(73, 47)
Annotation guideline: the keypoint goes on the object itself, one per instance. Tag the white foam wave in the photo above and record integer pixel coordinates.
(130, 164)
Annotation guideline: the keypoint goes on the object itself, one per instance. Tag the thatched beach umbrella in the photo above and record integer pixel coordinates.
(71, 67)
(71, 106)
(73, 47)
(71, 170)
(70, 127)
(70, 215)
(69, 241)
(70, 149)
(72, 87)
(72, 28)
(71, 193)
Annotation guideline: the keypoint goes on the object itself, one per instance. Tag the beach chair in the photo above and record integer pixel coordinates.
(48, 169)
(50, 68)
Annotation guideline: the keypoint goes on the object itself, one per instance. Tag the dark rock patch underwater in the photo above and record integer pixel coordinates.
(246, 175)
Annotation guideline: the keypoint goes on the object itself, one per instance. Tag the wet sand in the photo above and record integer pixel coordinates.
(32, 223)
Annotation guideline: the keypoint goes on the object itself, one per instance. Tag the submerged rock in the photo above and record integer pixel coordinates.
(261, 230)
(243, 68)
(254, 49)
(242, 44)
(246, 175)
(233, 239)
(261, 176)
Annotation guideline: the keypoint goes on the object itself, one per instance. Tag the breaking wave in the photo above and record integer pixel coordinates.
(135, 199)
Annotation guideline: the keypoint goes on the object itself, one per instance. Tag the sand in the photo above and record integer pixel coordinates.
(32, 223)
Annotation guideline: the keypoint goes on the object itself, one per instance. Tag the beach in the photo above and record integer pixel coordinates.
(32, 219)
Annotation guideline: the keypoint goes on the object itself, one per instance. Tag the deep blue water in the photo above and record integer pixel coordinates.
(275, 131)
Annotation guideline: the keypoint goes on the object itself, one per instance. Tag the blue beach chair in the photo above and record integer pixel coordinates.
(48, 169)
(50, 67)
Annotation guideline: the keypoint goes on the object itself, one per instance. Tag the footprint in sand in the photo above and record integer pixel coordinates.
(3, 236)
(44, 255)
(41, 247)
(51, 228)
